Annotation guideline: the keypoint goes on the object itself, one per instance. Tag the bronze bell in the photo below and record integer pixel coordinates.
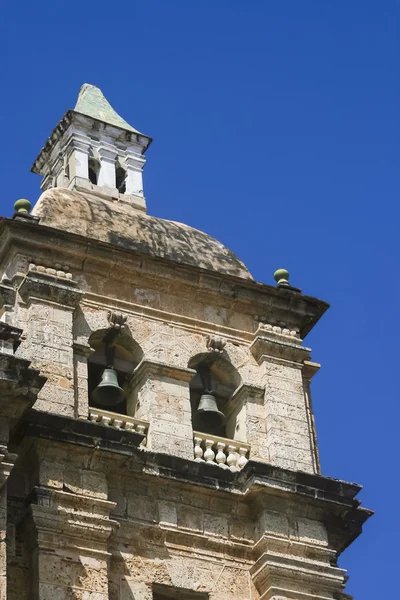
(108, 392)
(207, 417)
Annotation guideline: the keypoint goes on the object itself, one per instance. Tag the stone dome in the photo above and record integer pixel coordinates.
(119, 224)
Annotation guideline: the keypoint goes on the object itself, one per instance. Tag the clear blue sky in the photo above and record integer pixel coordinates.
(275, 126)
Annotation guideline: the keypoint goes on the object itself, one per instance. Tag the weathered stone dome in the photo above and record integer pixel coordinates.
(119, 224)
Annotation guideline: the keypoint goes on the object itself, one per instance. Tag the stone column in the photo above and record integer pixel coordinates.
(160, 394)
(289, 438)
(51, 301)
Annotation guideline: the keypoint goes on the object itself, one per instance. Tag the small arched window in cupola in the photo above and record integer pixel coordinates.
(94, 168)
(120, 178)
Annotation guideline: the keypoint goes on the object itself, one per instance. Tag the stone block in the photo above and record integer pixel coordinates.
(281, 409)
(142, 508)
(51, 474)
(94, 484)
(190, 518)
(313, 532)
(167, 513)
(290, 438)
(215, 525)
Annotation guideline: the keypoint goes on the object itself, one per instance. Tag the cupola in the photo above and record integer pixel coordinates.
(95, 151)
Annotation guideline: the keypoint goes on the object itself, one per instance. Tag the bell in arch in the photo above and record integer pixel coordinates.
(108, 392)
(207, 417)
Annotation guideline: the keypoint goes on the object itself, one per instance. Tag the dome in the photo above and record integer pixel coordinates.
(119, 224)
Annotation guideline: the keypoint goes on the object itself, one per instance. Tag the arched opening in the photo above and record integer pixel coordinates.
(94, 169)
(123, 356)
(218, 378)
(120, 179)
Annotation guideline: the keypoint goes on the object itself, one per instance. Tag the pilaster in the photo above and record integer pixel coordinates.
(19, 386)
(51, 300)
(160, 395)
(78, 161)
(108, 155)
(288, 431)
(70, 535)
(134, 178)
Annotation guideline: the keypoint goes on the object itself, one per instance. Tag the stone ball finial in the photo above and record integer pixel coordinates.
(22, 206)
(281, 277)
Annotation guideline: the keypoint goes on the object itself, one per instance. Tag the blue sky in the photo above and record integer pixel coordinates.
(275, 125)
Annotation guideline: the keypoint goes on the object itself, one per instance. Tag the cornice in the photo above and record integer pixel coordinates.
(101, 258)
(43, 286)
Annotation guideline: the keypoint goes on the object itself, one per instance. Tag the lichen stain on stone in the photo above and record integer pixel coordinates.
(119, 224)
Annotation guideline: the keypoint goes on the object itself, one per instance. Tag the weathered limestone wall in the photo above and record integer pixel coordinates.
(59, 319)
(100, 528)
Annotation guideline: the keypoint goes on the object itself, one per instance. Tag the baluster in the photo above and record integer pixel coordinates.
(209, 455)
(221, 456)
(141, 429)
(242, 458)
(198, 450)
(93, 416)
(105, 420)
(128, 426)
(117, 423)
(232, 458)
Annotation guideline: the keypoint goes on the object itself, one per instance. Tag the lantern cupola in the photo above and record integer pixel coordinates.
(95, 151)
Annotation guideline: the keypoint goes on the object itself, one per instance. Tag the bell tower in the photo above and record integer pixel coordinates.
(157, 437)
(95, 151)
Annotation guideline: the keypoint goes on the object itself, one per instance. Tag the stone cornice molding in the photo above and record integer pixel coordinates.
(264, 347)
(42, 286)
(73, 118)
(226, 290)
(276, 575)
(19, 385)
(243, 394)
(310, 369)
(147, 368)
(79, 528)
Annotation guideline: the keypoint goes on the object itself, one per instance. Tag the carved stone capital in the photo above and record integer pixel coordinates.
(266, 346)
(44, 286)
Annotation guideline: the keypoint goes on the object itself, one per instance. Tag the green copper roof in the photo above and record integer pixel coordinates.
(92, 103)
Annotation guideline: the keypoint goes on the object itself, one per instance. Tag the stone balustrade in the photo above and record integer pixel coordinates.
(106, 417)
(228, 454)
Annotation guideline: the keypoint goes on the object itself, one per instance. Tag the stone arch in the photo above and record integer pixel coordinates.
(223, 379)
(127, 354)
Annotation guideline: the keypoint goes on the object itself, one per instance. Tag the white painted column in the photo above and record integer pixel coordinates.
(134, 176)
(79, 160)
(108, 157)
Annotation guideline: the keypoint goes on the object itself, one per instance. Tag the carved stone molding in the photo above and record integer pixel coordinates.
(44, 286)
(147, 368)
(310, 369)
(116, 319)
(266, 345)
(216, 343)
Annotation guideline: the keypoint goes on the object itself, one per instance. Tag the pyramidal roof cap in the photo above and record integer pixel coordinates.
(92, 103)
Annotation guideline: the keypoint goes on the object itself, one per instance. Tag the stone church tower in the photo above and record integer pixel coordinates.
(157, 432)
